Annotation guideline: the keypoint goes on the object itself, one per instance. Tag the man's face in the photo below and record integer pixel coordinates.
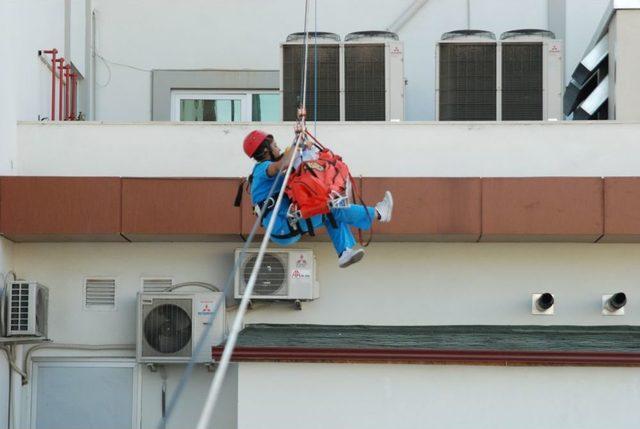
(275, 149)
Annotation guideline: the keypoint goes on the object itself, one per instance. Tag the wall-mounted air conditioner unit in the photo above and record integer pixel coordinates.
(519, 77)
(26, 309)
(288, 274)
(170, 324)
(361, 79)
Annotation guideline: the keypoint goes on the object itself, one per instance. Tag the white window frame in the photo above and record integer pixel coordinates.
(85, 362)
(245, 97)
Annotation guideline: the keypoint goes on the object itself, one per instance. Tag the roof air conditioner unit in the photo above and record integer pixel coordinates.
(466, 76)
(284, 275)
(373, 77)
(518, 78)
(531, 81)
(170, 324)
(361, 79)
(26, 309)
(328, 79)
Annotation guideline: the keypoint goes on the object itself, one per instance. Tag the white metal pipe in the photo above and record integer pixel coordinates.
(90, 347)
(92, 90)
(16, 388)
(406, 15)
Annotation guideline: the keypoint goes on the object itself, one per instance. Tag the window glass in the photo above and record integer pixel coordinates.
(265, 107)
(222, 110)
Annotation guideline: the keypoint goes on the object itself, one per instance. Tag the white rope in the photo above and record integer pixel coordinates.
(225, 359)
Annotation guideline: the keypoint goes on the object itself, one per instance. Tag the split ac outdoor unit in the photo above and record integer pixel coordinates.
(361, 79)
(517, 78)
(170, 324)
(284, 275)
(26, 309)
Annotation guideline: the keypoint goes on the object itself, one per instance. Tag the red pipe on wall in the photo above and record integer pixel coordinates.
(67, 76)
(61, 73)
(53, 53)
(74, 87)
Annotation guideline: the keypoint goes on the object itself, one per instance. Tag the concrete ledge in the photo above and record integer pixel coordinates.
(437, 209)
(542, 209)
(582, 209)
(60, 208)
(179, 209)
(621, 209)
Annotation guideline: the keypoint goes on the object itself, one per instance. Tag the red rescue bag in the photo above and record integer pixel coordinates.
(316, 183)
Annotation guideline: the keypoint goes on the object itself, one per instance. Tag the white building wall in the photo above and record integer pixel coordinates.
(430, 284)
(371, 149)
(246, 34)
(418, 396)
(583, 17)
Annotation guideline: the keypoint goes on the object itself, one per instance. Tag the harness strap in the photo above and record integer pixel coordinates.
(310, 229)
(332, 219)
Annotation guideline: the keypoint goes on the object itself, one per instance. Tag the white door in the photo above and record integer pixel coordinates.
(84, 395)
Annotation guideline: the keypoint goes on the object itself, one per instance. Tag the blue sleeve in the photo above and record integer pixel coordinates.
(261, 183)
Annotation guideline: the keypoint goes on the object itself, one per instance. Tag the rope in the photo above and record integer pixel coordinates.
(182, 384)
(315, 67)
(218, 378)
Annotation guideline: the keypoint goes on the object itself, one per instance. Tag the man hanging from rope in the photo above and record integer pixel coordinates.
(262, 147)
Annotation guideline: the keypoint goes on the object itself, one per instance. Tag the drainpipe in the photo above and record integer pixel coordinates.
(61, 74)
(406, 15)
(74, 95)
(92, 79)
(67, 92)
(16, 388)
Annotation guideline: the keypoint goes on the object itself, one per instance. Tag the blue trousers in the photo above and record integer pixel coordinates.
(355, 215)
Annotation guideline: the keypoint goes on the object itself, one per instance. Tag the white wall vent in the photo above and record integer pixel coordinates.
(288, 274)
(27, 309)
(99, 293)
(156, 284)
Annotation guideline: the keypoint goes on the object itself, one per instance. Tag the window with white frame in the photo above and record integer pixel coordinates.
(225, 106)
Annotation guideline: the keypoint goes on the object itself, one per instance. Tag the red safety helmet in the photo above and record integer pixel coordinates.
(253, 140)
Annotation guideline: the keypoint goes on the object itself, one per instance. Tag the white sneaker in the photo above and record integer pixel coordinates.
(385, 207)
(349, 257)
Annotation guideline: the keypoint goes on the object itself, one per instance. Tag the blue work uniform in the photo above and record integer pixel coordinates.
(355, 215)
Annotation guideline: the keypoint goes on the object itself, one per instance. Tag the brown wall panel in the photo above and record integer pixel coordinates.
(60, 208)
(180, 209)
(542, 209)
(621, 209)
(442, 209)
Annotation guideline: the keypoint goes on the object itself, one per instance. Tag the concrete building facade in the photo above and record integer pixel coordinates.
(487, 214)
